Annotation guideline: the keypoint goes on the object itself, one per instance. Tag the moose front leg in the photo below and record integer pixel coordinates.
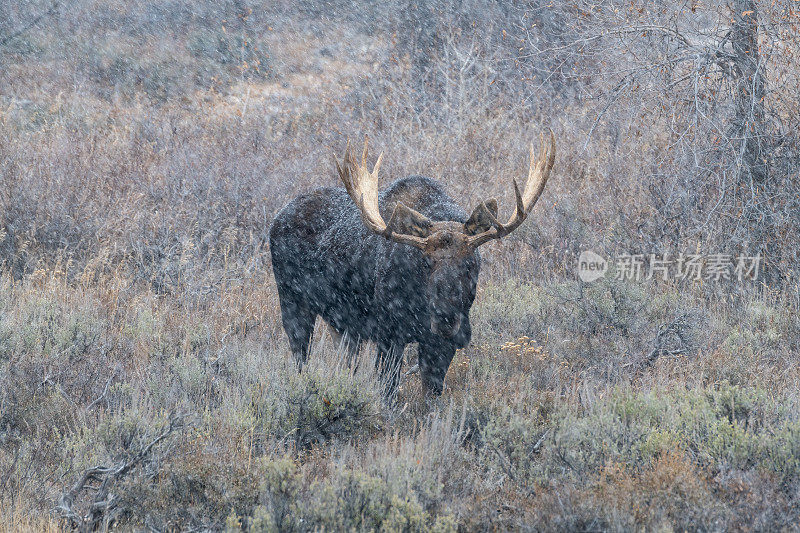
(435, 355)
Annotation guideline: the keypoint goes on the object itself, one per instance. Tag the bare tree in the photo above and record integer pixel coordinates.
(748, 123)
(714, 78)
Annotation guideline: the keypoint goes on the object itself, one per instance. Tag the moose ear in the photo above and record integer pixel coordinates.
(482, 218)
(406, 221)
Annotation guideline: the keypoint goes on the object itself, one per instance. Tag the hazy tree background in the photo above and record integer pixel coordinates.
(688, 106)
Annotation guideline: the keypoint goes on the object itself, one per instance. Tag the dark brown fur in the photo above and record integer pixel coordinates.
(328, 264)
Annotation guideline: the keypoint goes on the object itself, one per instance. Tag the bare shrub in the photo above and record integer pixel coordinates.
(146, 146)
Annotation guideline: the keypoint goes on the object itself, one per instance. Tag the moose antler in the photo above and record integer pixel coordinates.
(362, 186)
(538, 173)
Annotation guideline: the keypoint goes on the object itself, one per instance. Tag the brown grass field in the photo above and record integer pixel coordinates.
(145, 379)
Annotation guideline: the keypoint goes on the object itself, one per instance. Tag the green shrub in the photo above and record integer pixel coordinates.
(720, 427)
(346, 500)
(192, 489)
(354, 500)
(281, 484)
(510, 441)
(507, 311)
(50, 353)
(314, 406)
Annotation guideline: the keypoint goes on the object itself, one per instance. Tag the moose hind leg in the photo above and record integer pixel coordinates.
(298, 321)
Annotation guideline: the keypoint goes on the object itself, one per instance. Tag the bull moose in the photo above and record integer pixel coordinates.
(412, 279)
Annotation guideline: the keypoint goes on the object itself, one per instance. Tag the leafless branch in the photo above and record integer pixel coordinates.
(104, 502)
(103, 394)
